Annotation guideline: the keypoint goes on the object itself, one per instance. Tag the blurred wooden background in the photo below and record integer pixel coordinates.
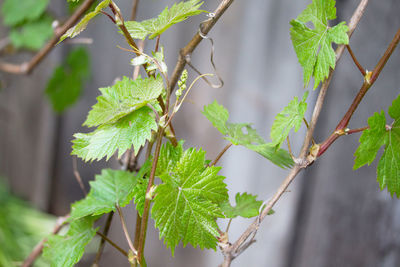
(332, 216)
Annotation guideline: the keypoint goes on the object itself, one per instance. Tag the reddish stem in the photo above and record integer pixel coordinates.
(362, 70)
(340, 128)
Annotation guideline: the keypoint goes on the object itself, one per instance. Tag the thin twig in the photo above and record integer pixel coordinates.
(289, 148)
(108, 15)
(113, 244)
(357, 130)
(27, 67)
(230, 252)
(77, 175)
(102, 241)
(220, 154)
(362, 70)
(39, 247)
(135, 5)
(125, 229)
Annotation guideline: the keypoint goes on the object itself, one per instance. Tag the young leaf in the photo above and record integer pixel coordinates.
(123, 98)
(168, 17)
(371, 140)
(169, 157)
(80, 26)
(313, 46)
(16, 12)
(291, 117)
(389, 165)
(388, 170)
(186, 204)
(234, 132)
(139, 192)
(32, 36)
(66, 83)
(67, 250)
(110, 189)
(247, 206)
(132, 130)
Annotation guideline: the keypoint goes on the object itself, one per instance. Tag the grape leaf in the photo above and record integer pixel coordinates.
(66, 84)
(291, 117)
(371, 140)
(132, 130)
(139, 192)
(67, 250)
(378, 134)
(110, 189)
(247, 206)
(186, 204)
(234, 132)
(123, 98)
(16, 12)
(389, 165)
(169, 157)
(81, 25)
(168, 17)
(33, 35)
(313, 46)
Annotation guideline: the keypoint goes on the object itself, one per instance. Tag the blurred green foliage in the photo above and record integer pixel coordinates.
(21, 228)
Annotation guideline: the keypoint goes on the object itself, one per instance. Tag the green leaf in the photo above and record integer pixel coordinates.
(66, 84)
(371, 140)
(243, 134)
(247, 206)
(67, 250)
(291, 117)
(389, 165)
(32, 36)
(21, 228)
(110, 189)
(139, 192)
(169, 157)
(123, 98)
(16, 12)
(388, 170)
(81, 25)
(313, 45)
(168, 17)
(186, 204)
(132, 130)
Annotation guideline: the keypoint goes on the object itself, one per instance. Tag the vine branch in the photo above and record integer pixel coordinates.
(231, 251)
(368, 82)
(27, 67)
